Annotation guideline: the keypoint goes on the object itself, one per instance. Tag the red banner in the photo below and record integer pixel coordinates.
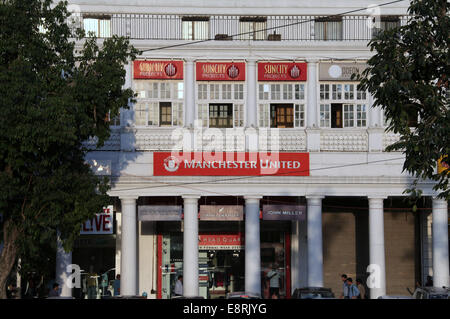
(230, 164)
(281, 71)
(165, 70)
(220, 71)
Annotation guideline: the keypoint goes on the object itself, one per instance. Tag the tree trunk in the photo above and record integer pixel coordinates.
(8, 255)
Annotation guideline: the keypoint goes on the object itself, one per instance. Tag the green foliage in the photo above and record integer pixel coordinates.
(409, 75)
(53, 97)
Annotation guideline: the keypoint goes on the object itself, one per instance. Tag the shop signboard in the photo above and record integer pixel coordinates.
(282, 71)
(284, 212)
(329, 71)
(222, 212)
(230, 164)
(159, 213)
(220, 71)
(158, 70)
(222, 241)
(101, 224)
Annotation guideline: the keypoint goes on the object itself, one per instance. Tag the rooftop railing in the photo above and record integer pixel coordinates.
(237, 28)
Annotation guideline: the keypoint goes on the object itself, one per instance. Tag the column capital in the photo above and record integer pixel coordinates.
(128, 198)
(250, 197)
(312, 61)
(315, 196)
(251, 60)
(439, 202)
(374, 197)
(190, 197)
(189, 60)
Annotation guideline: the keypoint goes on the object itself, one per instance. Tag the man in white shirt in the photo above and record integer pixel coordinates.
(274, 282)
(179, 286)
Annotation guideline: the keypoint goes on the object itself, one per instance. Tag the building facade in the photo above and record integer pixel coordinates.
(250, 147)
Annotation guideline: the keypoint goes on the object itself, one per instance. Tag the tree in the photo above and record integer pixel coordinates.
(409, 79)
(53, 97)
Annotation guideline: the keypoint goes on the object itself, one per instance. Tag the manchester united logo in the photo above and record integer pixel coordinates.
(171, 164)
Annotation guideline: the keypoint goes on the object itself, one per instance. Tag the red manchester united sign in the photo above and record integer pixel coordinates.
(282, 71)
(230, 164)
(158, 70)
(220, 71)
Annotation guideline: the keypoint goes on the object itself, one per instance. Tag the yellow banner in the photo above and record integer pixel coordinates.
(443, 166)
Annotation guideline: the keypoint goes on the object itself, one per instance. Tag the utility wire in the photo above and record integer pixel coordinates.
(267, 29)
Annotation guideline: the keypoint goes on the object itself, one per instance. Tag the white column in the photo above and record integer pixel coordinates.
(63, 259)
(377, 266)
(190, 246)
(315, 247)
(440, 243)
(311, 105)
(189, 93)
(252, 245)
(252, 116)
(128, 267)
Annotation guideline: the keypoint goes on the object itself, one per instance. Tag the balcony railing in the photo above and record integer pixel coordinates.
(271, 28)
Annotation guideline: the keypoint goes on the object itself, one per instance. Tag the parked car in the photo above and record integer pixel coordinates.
(313, 293)
(431, 293)
(125, 297)
(242, 295)
(394, 297)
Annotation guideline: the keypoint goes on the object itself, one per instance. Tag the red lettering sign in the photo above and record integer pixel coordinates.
(166, 70)
(281, 71)
(100, 224)
(220, 71)
(221, 241)
(230, 164)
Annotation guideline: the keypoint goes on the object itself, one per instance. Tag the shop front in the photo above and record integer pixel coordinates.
(95, 253)
(221, 247)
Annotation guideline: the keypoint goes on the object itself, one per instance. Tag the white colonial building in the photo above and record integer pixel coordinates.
(283, 164)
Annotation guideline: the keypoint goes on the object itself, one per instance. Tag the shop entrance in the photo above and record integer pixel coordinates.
(222, 273)
(221, 264)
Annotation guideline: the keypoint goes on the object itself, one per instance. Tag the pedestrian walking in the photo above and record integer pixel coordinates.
(344, 294)
(353, 291)
(54, 292)
(274, 282)
(179, 286)
(116, 285)
(361, 288)
(429, 282)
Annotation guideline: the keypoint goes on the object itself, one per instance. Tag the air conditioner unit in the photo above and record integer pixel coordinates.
(274, 37)
(222, 37)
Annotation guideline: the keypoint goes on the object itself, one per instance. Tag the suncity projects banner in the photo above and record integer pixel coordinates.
(230, 164)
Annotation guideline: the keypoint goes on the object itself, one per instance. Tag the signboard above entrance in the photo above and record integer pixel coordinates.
(159, 213)
(339, 71)
(224, 241)
(230, 164)
(164, 70)
(101, 224)
(220, 71)
(222, 212)
(284, 212)
(282, 71)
